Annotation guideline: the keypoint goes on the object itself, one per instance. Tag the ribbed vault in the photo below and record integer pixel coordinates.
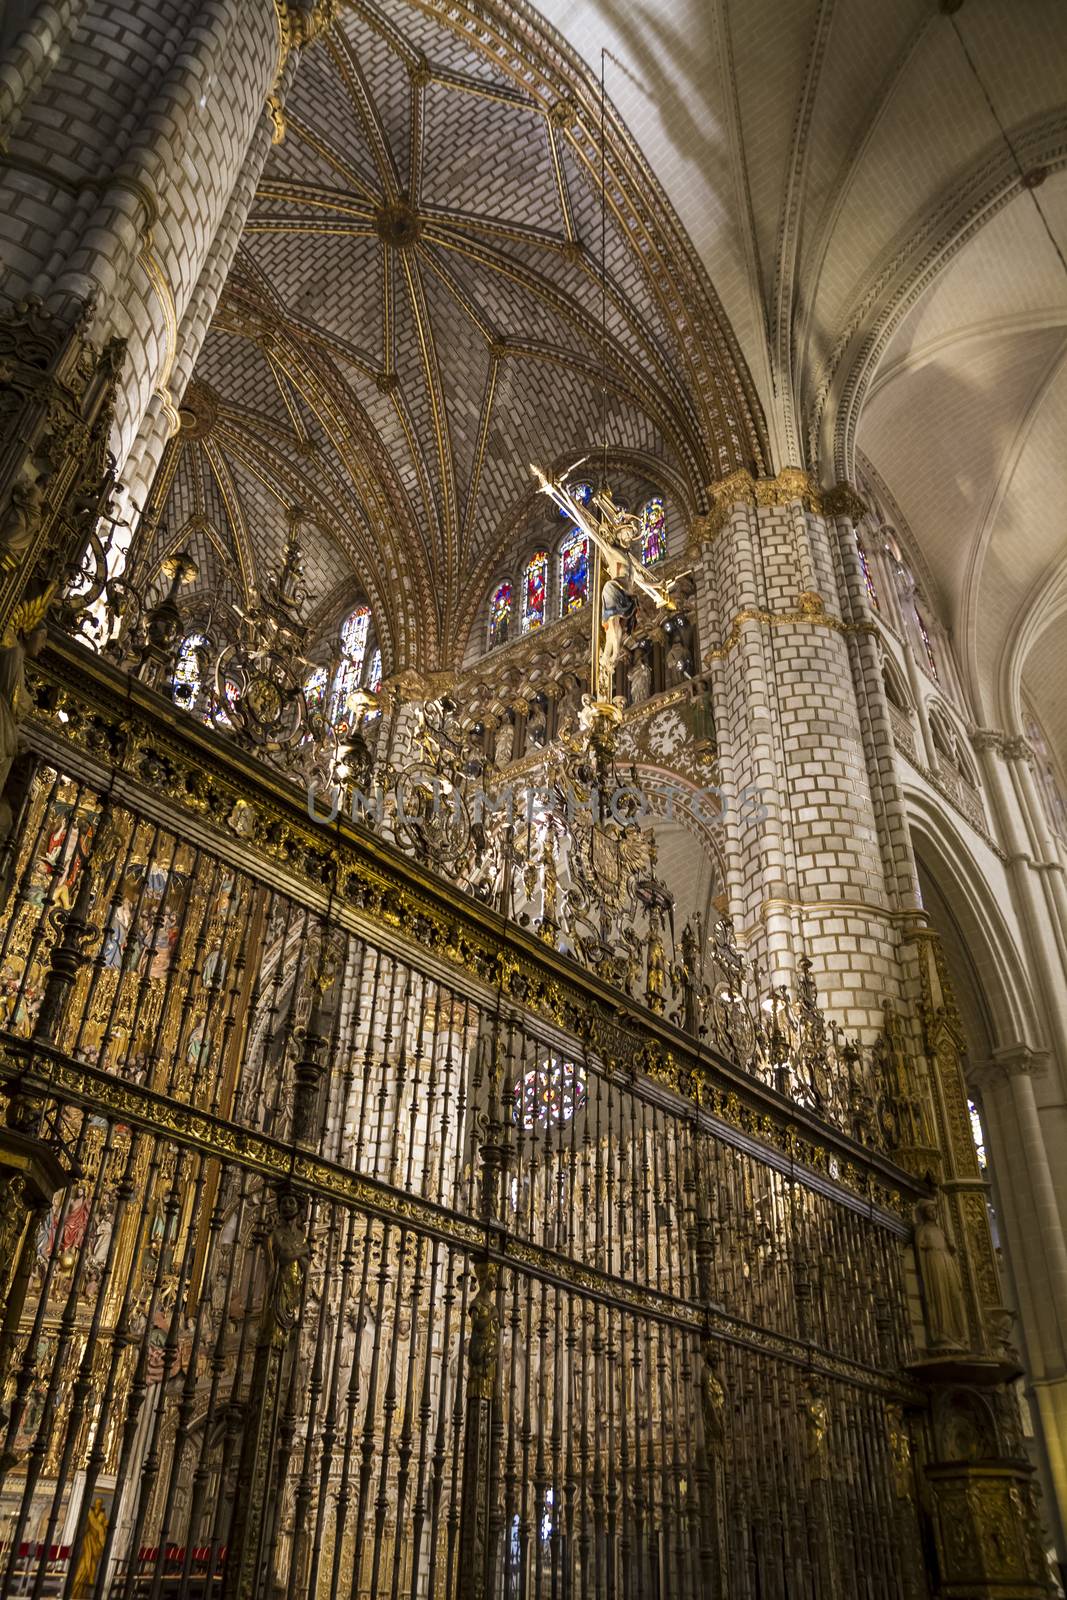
(418, 310)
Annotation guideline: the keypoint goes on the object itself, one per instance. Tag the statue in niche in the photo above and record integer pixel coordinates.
(22, 518)
(640, 680)
(679, 666)
(946, 1321)
(505, 742)
(570, 702)
(536, 725)
(289, 1253)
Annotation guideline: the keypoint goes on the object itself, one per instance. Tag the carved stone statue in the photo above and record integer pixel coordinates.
(289, 1253)
(505, 743)
(536, 726)
(25, 637)
(570, 702)
(19, 522)
(946, 1321)
(679, 666)
(640, 681)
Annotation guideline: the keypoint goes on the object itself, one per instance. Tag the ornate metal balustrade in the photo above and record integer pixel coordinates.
(391, 1252)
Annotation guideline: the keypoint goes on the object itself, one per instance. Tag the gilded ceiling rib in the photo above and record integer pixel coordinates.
(686, 297)
(381, 512)
(687, 444)
(340, 50)
(435, 390)
(561, 180)
(347, 532)
(417, 135)
(388, 318)
(789, 226)
(349, 230)
(235, 512)
(277, 373)
(297, 192)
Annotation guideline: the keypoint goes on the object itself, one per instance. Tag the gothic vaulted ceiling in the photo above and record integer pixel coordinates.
(418, 311)
(826, 195)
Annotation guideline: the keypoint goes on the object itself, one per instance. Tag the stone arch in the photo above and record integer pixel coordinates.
(992, 989)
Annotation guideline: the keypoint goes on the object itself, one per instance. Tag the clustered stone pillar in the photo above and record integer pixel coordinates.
(135, 136)
(823, 871)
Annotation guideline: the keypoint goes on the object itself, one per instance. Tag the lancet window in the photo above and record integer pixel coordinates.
(535, 592)
(654, 531)
(573, 572)
(355, 631)
(500, 613)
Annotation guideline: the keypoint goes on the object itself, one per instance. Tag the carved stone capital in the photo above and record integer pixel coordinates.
(1010, 1061)
(987, 739)
(1016, 748)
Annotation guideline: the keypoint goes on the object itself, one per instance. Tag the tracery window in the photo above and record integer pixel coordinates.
(654, 531)
(535, 592)
(500, 613)
(355, 631)
(189, 670)
(573, 572)
(582, 492)
(550, 1094)
(868, 580)
(924, 633)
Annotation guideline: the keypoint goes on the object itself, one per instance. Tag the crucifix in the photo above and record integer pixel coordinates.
(617, 576)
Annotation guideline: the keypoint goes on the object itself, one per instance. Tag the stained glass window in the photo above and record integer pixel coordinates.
(865, 566)
(550, 1094)
(189, 670)
(573, 572)
(654, 531)
(315, 689)
(374, 671)
(582, 492)
(354, 631)
(931, 659)
(535, 592)
(977, 1133)
(500, 614)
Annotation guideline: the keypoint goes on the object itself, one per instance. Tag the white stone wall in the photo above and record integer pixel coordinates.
(122, 160)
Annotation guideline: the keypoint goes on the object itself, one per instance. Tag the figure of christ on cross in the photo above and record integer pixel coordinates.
(612, 536)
